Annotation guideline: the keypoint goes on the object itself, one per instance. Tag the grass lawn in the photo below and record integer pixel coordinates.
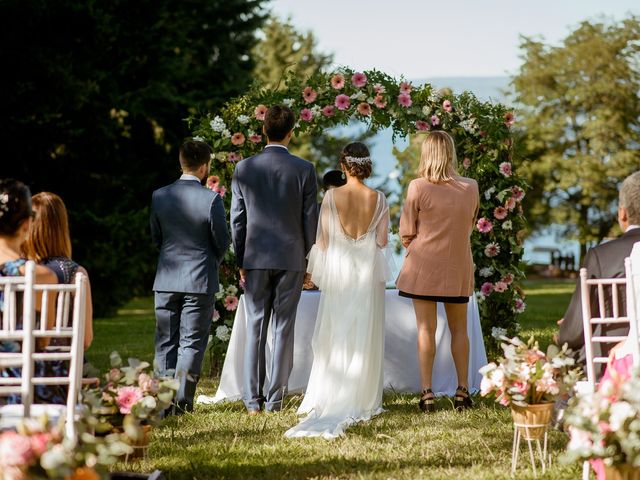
(223, 442)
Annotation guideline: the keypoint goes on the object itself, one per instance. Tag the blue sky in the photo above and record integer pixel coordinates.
(425, 38)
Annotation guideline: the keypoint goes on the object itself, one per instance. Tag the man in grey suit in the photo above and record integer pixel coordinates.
(605, 261)
(188, 225)
(273, 225)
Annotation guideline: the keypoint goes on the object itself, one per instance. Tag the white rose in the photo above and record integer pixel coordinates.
(426, 110)
(486, 272)
(198, 138)
(489, 192)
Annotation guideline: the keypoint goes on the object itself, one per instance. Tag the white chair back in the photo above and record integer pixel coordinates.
(29, 333)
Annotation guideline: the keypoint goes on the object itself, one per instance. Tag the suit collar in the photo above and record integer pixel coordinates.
(634, 232)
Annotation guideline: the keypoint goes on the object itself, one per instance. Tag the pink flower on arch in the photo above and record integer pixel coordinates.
(500, 287)
(422, 126)
(466, 163)
(484, 226)
(508, 278)
(359, 79)
(509, 119)
(446, 105)
(306, 115)
(505, 169)
(379, 102)
(337, 81)
(519, 305)
(492, 249)
(486, 288)
(220, 190)
(127, 397)
(231, 302)
(500, 213)
(405, 87)
(328, 111)
(364, 109)
(216, 315)
(435, 120)
(255, 138)
(518, 193)
(238, 138)
(260, 112)
(212, 182)
(379, 88)
(234, 156)
(404, 100)
(343, 102)
(510, 203)
(309, 94)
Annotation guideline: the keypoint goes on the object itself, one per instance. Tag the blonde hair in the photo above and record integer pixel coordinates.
(49, 232)
(438, 161)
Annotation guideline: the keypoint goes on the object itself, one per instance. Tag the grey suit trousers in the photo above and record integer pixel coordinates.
(183, 321)
(270, 296)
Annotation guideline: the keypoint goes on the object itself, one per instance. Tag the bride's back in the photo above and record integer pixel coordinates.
(356, 206)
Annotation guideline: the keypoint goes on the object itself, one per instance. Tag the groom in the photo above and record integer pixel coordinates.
(273, 225)
(188, 225)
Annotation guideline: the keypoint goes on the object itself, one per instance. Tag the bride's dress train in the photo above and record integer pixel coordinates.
(346, 381)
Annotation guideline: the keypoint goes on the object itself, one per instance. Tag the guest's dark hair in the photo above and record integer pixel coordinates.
(278, 121)
(194, 154)
(356, 160)
(15, 205)
(333, 178)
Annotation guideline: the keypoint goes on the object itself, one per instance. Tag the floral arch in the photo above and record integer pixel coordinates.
(484, 143)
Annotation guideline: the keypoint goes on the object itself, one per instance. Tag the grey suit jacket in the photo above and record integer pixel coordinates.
(189, 226)
(603, 261)
(274, 211)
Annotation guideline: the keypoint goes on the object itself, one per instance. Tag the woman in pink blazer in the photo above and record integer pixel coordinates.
(435, 228)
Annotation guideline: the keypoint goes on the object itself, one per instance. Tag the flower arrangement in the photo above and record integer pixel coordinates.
(130, 397)
(605, 424)
(528, 376)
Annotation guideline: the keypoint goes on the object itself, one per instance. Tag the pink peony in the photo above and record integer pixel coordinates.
(216, 315)
(486, 288)
(518, 193)
(212, 182)
(379, 101)
(404, 100)
(359, 79)
(364, 109)
(306, 115)
(329, 111)
(509, 119)
(127, 397)
(466, 163)
(446, 105)
(379, 88)
(234, 157)
(505, 169)
(492, 249)
(510, 203)
(484, 225)
(500, 287)
(422, 126)
(231, 302)
(500, 213)
(238, 138)
(309, 94)
(15, 450)
(435, 120)
(508, 278)
(405, 87)
(255, 138)
(337, 81)
(260, 112)
(343, 102)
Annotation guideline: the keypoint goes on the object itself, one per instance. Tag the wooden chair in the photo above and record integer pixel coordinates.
(28, 334)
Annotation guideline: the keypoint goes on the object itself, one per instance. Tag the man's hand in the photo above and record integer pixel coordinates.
(559, 322)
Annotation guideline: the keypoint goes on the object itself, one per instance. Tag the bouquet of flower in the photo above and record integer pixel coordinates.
(606, 424)
(526, 375)
(129, 397)
(38, 451)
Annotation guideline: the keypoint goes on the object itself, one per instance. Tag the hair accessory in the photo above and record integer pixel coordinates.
(357, 160)
(4, 203)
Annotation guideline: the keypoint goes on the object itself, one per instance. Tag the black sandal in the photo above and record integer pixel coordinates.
(462, 400)
(427, 401)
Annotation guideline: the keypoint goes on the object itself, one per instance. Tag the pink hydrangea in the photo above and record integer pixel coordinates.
(518, 193)
(234, 157)
(212, 182)
(309, 94)
(404, 100)
(364, 109)
(509, 119)
(500, 213)
(510, 203)
(505, 169)
(329, 111)
(238, 138)
(466, 163)
(484, 226)
(337, 81)
(446, 105)
(500, 287)
(405, 87)
(359, 79)
(379, 88)
(492, 249)
(255, 138)
(127, 397)
(15, 450)
(486, 288)
(260, 112)
(306, 115)
(422, 126)
(435, 120)
(231, 302)
(343, 102)
(379, 101)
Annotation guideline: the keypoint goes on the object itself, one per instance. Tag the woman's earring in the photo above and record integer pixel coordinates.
(342, 175)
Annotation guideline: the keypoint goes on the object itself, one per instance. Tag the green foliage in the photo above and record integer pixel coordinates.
(93, 106)
(581, 125)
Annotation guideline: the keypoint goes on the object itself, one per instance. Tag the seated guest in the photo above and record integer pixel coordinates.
(49, 244)
(605, 261)
(333, 179)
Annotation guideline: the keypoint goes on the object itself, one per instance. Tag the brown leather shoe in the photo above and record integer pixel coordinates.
(253, 413)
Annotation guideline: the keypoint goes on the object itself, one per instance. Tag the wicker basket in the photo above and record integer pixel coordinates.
(532, 420)
(621, 472)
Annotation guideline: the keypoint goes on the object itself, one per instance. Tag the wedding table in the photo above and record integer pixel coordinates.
(401, 372)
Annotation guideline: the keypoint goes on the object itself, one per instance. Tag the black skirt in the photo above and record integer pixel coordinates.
(434, 298)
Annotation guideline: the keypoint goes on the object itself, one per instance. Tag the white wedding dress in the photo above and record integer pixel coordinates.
(345, 386)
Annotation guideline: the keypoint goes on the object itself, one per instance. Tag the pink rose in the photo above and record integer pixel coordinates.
(446, 105)
(364, 109)
(127, 397)
(337, 81)
(309, 95)
(359, 79)
(486, 288)
(306, 115)
(343, 102)
(405, 87)
(404, 100)
(234, 157)
(231, 302)
(500, 287)
(435, 120)
(329, 111)
(484, 226)
(500, 213)
(255, 138)
(260, 112)
(39, 443)
(15, 450)
(422, 126)
(379, 102)
(237, 138)
(505, 169)
(466, 163)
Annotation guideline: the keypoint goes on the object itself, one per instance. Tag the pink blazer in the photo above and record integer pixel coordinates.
(438, 220)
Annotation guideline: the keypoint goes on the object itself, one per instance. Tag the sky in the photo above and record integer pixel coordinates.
(449, 38)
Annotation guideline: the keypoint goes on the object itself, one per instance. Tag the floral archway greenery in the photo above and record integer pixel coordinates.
(484, 143)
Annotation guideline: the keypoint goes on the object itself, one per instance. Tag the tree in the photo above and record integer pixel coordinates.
(581, 125)
(94, 101)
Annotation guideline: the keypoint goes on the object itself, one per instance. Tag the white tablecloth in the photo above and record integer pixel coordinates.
(400, 365)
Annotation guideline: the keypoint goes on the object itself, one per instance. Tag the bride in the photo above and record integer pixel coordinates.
(348, 264)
